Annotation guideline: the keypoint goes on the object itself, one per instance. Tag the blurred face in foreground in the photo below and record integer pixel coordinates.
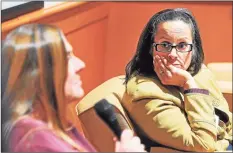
(73, 84)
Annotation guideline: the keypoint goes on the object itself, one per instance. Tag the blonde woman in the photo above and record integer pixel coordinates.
(40, 76)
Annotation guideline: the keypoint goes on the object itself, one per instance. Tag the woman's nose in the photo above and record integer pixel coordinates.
(172, 54)
(83, 65)
(79, 64)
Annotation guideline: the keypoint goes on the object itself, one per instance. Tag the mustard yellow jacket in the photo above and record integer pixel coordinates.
(182, 121)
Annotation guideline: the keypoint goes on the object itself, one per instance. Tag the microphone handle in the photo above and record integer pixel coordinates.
(114, 125)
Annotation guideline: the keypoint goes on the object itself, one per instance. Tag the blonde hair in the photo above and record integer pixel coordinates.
(34, 71)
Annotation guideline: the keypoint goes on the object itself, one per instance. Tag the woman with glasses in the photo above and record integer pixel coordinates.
(171, 96)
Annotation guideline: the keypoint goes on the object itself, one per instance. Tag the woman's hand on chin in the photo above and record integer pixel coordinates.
(172, 75)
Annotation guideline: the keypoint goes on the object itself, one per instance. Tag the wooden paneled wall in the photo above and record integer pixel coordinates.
(105, 34)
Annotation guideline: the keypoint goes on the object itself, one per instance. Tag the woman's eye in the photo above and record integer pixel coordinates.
(182, 45)
(165, 45)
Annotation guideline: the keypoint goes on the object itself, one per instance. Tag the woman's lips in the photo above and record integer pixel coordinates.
(78, 82)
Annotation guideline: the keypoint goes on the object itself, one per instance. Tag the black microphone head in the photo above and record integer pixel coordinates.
(106, 112)
(104, 109)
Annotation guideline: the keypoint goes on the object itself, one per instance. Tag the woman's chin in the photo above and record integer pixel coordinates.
(77, 95)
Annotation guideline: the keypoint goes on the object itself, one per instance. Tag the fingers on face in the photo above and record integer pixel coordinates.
(166, 66)
(157, 68)
(172, 69)
(160, 66)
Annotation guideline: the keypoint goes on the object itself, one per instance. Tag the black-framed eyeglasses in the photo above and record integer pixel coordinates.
(167, 47)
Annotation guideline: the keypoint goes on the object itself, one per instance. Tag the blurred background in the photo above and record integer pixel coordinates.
(105, 34)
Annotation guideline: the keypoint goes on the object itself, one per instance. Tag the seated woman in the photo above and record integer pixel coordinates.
(170, 94)
(39, 78)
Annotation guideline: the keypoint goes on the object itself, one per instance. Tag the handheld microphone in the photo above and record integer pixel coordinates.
(106, 112)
